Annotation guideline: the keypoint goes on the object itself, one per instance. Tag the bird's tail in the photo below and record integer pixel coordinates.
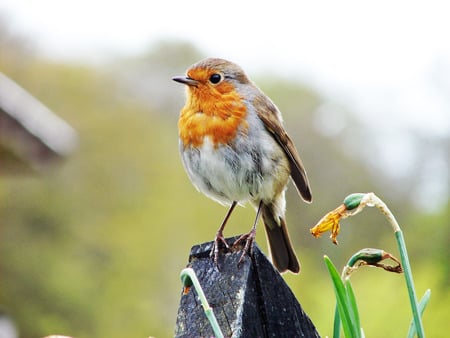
(280, 246)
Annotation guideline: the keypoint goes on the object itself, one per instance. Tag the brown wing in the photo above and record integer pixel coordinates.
(268, 113)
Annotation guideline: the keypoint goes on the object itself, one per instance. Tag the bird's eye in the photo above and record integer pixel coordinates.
(215, 78)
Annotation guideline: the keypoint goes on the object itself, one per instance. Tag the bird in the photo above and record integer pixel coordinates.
(235, 150)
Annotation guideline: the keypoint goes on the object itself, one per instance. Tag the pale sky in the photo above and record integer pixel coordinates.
(390, 58)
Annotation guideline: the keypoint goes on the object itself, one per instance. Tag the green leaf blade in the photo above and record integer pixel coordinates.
(343, 304)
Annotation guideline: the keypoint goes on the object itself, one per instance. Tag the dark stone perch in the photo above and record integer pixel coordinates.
(251, 300)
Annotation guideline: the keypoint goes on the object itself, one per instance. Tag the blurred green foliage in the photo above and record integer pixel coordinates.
(95, 248)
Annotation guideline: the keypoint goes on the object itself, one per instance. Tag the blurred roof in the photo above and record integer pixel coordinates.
(32, 138)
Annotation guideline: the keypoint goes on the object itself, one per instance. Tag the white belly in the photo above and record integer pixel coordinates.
(246, 172)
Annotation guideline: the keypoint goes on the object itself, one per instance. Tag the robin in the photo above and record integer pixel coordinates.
(235, 150)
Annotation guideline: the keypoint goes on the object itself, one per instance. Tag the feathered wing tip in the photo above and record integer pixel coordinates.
(280, 246)
(270, 115)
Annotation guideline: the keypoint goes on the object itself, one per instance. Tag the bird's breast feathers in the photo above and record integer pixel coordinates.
(248, 169)
(219, 119)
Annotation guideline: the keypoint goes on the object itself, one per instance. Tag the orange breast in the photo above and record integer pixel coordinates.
(214, 114)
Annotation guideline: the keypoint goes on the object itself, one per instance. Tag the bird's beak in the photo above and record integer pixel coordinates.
(185, 80)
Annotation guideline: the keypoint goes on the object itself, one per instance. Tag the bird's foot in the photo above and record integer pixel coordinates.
(216, 245)
(248, 248)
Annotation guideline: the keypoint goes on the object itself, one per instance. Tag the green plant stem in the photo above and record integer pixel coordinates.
(422, 305)
(337, 323)
(409, 283)
(188, 277)
(352, 302)
(344, 305)
(371, 198)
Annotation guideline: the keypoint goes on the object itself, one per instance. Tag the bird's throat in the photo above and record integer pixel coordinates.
(218, 118)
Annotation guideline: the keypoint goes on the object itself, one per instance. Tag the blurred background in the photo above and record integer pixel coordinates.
(98, 218)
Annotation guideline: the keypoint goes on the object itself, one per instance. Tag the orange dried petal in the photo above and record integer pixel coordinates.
(330, 222)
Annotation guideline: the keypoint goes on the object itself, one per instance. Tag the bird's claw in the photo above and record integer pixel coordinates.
(215, 249)
(248, 248)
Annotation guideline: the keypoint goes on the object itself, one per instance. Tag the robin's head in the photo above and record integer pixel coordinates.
(215, 104)
(214, 76)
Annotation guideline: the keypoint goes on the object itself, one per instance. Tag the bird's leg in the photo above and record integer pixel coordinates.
(219, 235)
(250, 237)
